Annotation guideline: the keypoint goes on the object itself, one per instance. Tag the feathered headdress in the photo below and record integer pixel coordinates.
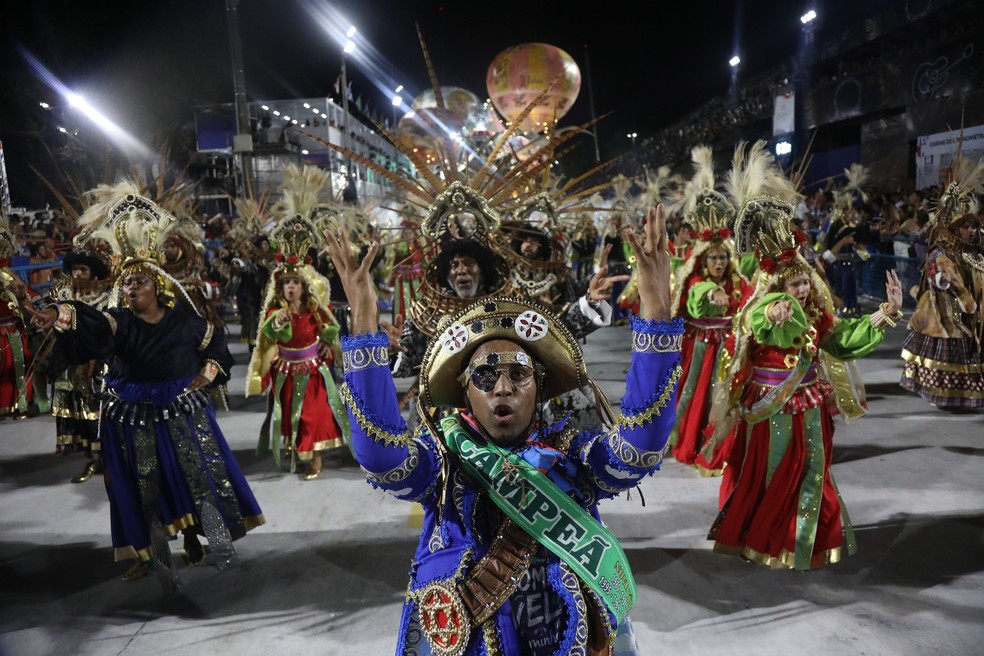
(135, 229)
(709, 213)
(766, 200)
(963, 180)
(8, 245)
(660, 187)
(703, 207)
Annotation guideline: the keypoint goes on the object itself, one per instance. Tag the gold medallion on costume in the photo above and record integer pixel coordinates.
(444, 618)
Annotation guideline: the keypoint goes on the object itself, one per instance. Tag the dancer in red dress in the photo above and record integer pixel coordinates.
(784, 510)
(294, 353)
(708, 293)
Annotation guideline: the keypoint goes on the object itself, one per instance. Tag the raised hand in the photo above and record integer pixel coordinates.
(356, 279)
(653, 264)
(395, 333)
(600, 285)
(893, 291)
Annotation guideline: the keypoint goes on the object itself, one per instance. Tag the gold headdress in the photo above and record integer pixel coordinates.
(135, 229)
(766, 200)
(702, 206)
(963, 180)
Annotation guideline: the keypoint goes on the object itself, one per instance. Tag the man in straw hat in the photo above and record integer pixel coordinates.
(513, 558)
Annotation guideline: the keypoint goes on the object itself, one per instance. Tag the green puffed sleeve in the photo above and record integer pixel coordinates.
(765, 332)
(698, 305)
(329, 333)
(748, 265)
(282, 335)
(676, 262)
(852, 338)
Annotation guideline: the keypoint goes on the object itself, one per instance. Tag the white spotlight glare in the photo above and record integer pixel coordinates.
(307, 106)
(265, 108)
(349, 47)
(351, 32)
(45, 105)
(304, 152)
(808, 17)
(784, 148)
(734, 61)
(397, 101)
(276, 113)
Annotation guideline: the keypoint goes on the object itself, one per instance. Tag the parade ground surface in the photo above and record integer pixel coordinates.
(327, 573)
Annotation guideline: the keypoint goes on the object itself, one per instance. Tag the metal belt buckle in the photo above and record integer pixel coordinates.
(444, 618)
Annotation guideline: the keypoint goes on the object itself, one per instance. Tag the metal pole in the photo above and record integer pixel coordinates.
(591, 104)
(243, 139)
(345, 126)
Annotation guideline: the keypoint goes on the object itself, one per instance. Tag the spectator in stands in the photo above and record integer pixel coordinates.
(42, 253)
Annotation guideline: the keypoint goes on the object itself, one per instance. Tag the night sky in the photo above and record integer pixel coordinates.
(147, 64)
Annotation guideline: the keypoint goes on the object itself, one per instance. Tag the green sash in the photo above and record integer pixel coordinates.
(535, 504)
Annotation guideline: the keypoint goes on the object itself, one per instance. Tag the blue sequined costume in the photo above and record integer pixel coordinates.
(589, 466)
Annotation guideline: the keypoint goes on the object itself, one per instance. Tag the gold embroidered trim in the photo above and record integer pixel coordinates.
(490, 638)
(632, 456)
(397, 474)
(365, 357)
(646, 343)
(211, 368)
(785, 560)
(377, 433)
(939, 365)
(66, 319)
(646, 416)
(207, 339)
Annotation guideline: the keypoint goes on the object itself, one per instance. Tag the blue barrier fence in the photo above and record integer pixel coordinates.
(22, 267)
(872, 276)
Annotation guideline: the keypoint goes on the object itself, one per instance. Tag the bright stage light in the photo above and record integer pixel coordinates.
(783, 148)
(734, 61)
(808, 17)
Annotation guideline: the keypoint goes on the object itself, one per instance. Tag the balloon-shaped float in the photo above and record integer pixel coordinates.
(519, 74)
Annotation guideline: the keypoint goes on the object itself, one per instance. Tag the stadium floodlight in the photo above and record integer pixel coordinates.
(734, 61)
(783, 148)
(808, 17)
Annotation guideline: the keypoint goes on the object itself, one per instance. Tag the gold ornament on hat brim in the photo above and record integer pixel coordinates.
(549, 343)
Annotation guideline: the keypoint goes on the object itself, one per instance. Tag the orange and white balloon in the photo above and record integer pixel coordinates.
(520, 73)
